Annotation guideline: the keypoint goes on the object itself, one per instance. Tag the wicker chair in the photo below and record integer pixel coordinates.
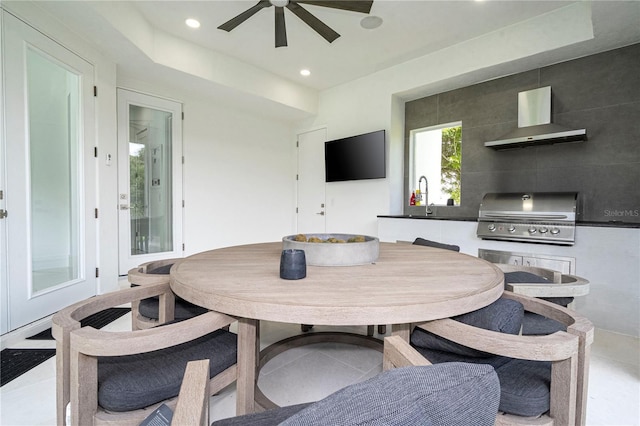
(120, 377)
(517, 359)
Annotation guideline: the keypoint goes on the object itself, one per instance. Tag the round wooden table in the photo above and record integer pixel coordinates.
(407, 284)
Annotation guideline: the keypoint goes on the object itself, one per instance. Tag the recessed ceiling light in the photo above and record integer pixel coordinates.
(305, 72)
(371, 22)
(193, 23)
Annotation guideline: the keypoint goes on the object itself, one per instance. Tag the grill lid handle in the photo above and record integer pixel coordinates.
(525, 216)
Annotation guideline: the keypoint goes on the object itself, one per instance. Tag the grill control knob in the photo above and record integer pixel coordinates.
(492, 227)
(532, 230)
(555, 231)
(543, 230)
(512, 229)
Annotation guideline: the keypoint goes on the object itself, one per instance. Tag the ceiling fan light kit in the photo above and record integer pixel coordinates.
(294, 6)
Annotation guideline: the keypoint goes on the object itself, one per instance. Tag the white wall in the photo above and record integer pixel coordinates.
(238, 176)
(349, 110)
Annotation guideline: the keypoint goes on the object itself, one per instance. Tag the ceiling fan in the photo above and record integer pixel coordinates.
(361, 6)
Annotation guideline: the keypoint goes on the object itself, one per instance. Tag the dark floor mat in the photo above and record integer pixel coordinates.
(43, 335)
(15, 362)
(105, 317)
(97, 320)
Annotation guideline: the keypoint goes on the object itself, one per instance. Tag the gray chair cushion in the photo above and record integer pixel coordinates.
(438, 357)
(130, 382)
(527, 277)
(524, 384)
(562, 301)
(428, 243)
(503, 315)
(445, 394)
(266, 418)
(523, 277)
(162, 270)
(150, 308)
(525, 387)
(537, 325)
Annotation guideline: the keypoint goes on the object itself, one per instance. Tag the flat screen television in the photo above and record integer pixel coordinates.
(355, 158)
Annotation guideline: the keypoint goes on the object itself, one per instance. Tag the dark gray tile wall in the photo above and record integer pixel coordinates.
(600, 93)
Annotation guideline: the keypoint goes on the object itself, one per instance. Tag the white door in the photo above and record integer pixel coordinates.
(311, 182)
(49, 194)
(149, 179)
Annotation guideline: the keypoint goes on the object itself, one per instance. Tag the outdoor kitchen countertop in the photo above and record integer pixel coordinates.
(409, 216)
(605, 224)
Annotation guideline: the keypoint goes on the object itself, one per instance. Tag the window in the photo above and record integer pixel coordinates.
(435, 153)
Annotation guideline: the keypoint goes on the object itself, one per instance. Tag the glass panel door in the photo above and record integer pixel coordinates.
(150, 179)
(50, 170)
(53, 97)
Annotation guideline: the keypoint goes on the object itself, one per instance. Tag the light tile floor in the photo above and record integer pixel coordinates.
(314, 371)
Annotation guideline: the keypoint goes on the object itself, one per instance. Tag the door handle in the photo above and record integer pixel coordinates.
(3, 213)
(124, 207)
(321, 213)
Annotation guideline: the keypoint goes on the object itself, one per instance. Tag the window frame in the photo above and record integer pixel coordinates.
(411, 177)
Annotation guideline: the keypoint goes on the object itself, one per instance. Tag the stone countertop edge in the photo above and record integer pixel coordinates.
(408, 216)
(610, 224)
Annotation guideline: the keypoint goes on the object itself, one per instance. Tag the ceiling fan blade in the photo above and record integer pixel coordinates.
(362, 6)
(319, 26)
(281, 28)
(234, 22)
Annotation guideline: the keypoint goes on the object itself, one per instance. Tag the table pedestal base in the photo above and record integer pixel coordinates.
(270, 352)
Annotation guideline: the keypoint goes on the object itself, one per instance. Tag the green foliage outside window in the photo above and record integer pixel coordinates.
(137, 184)
(451, 161)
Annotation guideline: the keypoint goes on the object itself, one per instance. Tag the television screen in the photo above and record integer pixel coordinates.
(355, 157)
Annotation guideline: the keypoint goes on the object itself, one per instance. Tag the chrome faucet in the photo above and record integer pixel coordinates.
(426, 192)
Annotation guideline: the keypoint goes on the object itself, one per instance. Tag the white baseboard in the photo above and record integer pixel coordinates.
(616, 347)
(14, 337)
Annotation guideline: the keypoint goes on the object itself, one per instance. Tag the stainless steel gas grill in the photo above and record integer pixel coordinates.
(536, 217)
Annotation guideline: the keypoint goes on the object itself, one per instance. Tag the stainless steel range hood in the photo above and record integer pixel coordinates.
(534, 124)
